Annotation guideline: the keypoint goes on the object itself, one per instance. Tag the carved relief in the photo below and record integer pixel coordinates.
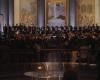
(85, 12)
(28, 12)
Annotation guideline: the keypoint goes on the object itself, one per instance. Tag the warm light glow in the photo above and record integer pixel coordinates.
(17, 32)
(39, 67)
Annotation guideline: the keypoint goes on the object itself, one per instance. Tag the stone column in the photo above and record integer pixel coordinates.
(11, 12)
(41, 13)
(72, 10)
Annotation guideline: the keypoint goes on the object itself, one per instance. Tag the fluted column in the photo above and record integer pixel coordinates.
(72, 10)
(11, 12)
(41, 13)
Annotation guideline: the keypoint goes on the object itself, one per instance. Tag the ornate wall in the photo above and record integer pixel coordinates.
(85, 12)
(28, 12)
(56, 12)
(25, 12)
(16, 12)
(97, 12)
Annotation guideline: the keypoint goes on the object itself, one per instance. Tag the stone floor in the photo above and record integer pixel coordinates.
(13, 71)
(84, 73)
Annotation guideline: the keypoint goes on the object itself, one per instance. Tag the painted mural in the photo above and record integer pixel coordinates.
(28, 12)
(56, 12)
(85, 12)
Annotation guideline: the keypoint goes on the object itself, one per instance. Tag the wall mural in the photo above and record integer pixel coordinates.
(28, 12)
(85, 12)
(56, 12)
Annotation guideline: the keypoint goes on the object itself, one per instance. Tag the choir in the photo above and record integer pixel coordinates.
(64, 36)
